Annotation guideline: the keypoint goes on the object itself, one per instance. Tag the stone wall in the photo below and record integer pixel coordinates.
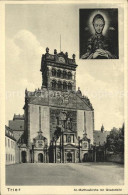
(118, 158)
(34, 121)
(85, 121)
(80, 123)
(89, 125)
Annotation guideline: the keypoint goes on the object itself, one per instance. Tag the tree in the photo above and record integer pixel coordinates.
(115, 140)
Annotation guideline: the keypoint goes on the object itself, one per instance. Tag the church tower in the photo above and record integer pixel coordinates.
(60, 111)
(58, 71)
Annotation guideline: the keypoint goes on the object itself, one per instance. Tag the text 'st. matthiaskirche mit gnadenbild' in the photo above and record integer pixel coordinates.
(59, 121)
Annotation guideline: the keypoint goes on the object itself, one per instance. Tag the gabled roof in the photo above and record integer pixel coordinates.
(68, 99)
(82, 104)
(100, 137)
(9, 133)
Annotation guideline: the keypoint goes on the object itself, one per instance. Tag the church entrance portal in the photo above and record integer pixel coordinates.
(40, 157)
(85, 158)
(23, 154)
(69, 157)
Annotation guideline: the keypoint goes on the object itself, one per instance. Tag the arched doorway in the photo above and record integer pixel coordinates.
(69, 157)
(40, 157)
(23, 154)
(85, 157)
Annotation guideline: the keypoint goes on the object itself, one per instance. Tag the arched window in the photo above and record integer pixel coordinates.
(69, 86)
(69, 75)
(64, 86)
(59, 85)
(40, 157)
(64, 74)
(58, 73)
(53, 84)
(53, 72)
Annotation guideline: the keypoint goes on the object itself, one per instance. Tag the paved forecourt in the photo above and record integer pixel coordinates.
(65, 174)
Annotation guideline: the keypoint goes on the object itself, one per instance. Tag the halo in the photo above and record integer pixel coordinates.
(90, 24)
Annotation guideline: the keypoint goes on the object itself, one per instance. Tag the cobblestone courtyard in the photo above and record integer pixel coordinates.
(65, 174)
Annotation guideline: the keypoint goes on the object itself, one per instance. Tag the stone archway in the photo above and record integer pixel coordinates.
(40, 157)
(85, 159)
(69, 157)
(24, 155)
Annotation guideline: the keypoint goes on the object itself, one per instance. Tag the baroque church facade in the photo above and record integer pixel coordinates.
(58, 119)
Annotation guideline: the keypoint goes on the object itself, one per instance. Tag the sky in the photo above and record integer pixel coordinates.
(29, 29)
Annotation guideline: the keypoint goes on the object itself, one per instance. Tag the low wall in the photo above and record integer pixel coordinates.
(118, 158)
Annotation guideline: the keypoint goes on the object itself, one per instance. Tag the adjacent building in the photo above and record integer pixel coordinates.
(10, 146)
(100, 139)
(17, 125)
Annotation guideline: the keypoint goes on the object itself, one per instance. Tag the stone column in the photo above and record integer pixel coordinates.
(28, 156)
(75, 156)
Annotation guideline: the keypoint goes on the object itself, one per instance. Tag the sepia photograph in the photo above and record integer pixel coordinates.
(65, 117)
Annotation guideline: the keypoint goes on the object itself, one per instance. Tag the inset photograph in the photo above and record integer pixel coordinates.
(98, 34)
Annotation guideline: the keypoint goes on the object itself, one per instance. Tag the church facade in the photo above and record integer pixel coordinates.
(58, 119)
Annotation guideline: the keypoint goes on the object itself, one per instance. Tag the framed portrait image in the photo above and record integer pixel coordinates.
(99, 34)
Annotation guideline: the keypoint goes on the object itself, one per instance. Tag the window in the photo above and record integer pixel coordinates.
(57, 120)
(5, 142)
(65, 86)
(69, 139)
(64, 74)
(69, 86)
(53, 84)
(59, 85)
(69, 75)
(58, 73)
(53, 72)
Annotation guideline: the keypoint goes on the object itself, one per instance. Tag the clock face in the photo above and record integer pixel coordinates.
(61, 59)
